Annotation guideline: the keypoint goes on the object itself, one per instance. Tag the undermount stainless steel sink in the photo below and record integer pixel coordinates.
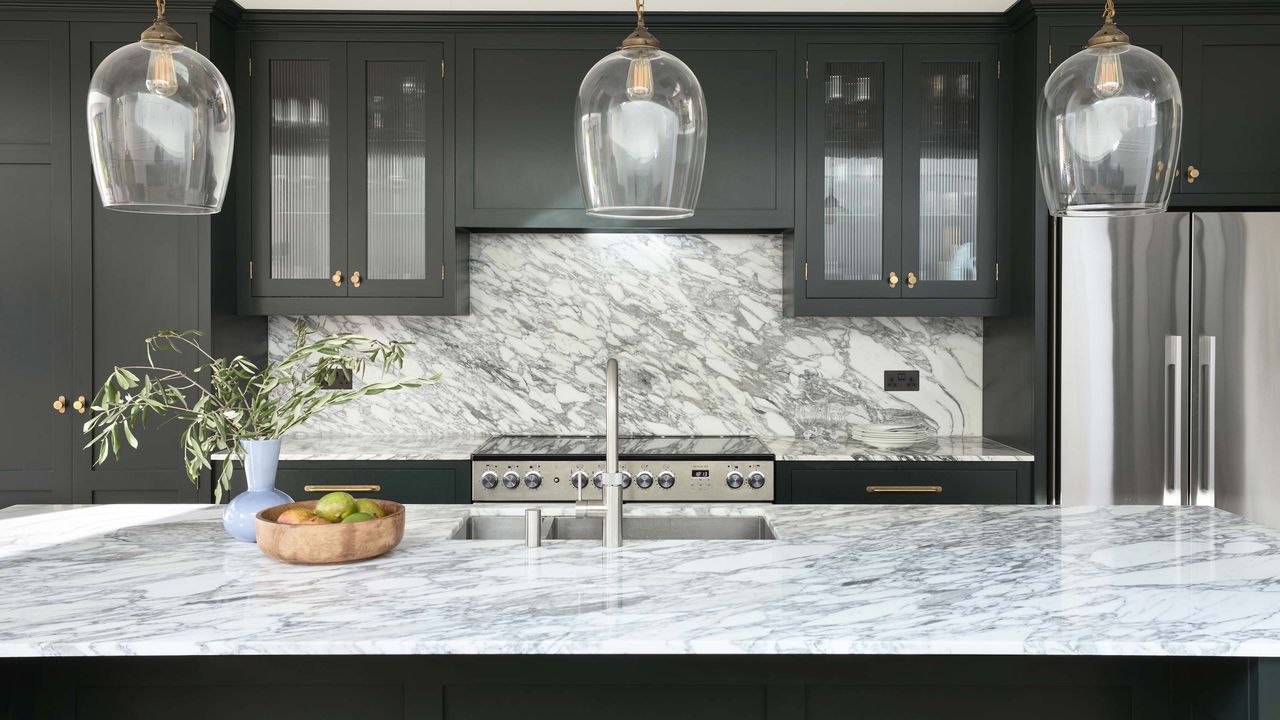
(493, 527)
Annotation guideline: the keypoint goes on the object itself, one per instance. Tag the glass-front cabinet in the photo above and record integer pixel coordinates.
(901, 177)
(348, 173)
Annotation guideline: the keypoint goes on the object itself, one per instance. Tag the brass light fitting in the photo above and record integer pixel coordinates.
(161, 31)
(641, 37)
(1108, 34)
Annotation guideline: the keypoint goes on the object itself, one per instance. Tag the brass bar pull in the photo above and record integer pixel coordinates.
(79, 405)
(341, 488)
(893, 279)
(336, 278)
(904, 488)
(911, 279)
(60, 404)
(1193, 172)
(355, 279)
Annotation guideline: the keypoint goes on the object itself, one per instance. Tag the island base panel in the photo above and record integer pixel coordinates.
(625, 687)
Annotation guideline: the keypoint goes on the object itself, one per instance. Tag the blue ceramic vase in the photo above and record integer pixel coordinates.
(261, 457)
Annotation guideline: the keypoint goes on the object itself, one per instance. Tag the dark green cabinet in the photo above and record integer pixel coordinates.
(35, 245)
(418, 482)
(900, 483)
(88, 284)
(901, 173)
(350, 151)
(517, 165)
(1229, 141)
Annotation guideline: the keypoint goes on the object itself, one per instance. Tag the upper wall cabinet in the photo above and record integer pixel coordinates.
(517, 166)
(350, 212)
(901, 177)
(1230, 155)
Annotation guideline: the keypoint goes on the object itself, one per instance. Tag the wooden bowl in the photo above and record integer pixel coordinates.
(331, 543)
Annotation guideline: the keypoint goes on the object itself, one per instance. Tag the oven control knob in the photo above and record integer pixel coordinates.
(644, 479)
(533, 479)
(626, 479)
(489, 479)
(666, 479)
(511, 480)
(578, 479)
(756, 479)
(733, 479)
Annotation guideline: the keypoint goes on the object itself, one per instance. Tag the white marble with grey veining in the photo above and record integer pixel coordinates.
(697, 324)
(938, 449)
(166, 580)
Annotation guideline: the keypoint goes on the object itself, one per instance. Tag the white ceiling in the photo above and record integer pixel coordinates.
(656, 6)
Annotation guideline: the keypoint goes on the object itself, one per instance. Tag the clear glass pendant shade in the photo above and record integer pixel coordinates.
(1110, 128)
(161, 130)
(641, 136)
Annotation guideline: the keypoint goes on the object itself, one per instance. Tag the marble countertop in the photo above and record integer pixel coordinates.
(166, 580)
(460, 447)
(939, 449)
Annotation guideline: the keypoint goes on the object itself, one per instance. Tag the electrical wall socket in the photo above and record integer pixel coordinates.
(901, 380)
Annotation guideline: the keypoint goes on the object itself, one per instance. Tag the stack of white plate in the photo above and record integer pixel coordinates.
(890, 435)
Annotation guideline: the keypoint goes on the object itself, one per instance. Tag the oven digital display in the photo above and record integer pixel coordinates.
(702, 473)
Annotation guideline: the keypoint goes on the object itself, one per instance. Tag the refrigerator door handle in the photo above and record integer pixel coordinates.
(1208, 367)
(1173, 420)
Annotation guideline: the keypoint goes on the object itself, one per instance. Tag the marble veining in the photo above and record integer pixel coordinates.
(939, 449)
(696, 322)
(166, 580)
(347, 446)
(627, 445)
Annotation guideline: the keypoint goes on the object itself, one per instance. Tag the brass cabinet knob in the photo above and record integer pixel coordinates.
(1193, 172)
(893, 279)
(336, 278)
(60, 404)
(911, 279)
(80, 405)
(355, 279)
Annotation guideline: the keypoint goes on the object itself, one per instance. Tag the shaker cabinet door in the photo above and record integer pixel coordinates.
(950, 171)
(1232, 110)
(299, 157)
(395, 184)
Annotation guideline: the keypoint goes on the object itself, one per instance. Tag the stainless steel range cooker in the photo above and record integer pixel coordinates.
(522, 468)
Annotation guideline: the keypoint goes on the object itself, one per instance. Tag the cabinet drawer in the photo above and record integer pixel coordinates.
(918, 486)
(403, 482)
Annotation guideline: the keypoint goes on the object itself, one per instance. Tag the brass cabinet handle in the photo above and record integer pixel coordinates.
(893, 279)
(341, 488)
(904, 488)
(79, 405)
(1193, 172)
(60, 404)
(355, 279)
(336, 278)
(911, 279)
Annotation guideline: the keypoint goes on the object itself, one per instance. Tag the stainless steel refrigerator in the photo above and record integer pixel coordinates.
(1168, 373)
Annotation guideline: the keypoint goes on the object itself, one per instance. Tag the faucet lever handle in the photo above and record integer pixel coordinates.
(614, 478)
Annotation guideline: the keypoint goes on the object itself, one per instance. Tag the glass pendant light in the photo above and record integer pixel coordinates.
(161, 126)
(641, 132)
(1110, 128)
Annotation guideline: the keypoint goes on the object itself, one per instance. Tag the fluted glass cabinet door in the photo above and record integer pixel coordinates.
(854, 171)
(949, 137)
(395, 192)
(299, 151)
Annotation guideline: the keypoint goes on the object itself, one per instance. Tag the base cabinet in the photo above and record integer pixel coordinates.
(904, 483)
(426, 482)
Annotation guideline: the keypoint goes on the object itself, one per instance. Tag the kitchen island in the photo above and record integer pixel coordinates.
(900, 611)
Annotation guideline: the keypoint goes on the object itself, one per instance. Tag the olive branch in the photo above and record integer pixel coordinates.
(240, 401)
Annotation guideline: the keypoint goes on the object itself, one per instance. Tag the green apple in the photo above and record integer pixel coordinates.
(357, 517)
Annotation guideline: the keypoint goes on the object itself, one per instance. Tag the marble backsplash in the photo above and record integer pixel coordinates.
(697, 326)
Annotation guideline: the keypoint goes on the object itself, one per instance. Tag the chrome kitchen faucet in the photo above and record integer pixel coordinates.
(612, 480)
